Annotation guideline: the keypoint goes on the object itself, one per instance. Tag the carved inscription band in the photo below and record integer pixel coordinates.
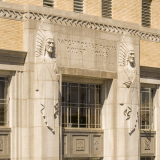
(20, 15)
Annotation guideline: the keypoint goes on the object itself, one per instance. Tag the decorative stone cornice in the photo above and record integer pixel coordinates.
(62, 20)
(149, 72)
(12, 57)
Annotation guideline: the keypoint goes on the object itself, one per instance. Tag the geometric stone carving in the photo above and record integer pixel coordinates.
(80, 144)
(147, 144)
(149, 72)
(85, 144)
(12, 56)
(1, 144)
(97, 141)
(5, 143)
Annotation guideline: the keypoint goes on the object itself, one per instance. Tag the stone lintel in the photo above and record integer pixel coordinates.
(88, 73)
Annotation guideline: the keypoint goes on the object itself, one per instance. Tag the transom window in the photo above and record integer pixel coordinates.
(146, 108)
(81, 106)
(3, 101)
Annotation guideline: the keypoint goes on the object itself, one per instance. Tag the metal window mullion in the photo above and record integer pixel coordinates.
(95, 104)
(150, 108)
(89, 110)
(67, 106)
(78, 105)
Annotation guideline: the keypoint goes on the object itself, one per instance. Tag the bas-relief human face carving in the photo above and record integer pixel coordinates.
(49, 45)
(131, 56)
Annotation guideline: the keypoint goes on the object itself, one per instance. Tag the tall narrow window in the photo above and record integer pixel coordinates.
(146, 108)
(146, 13)
(107, 8)
(81, 105)
(48, 3)
(3, 101)
(78, 6)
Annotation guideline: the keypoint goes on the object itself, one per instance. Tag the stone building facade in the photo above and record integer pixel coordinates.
(77, 86)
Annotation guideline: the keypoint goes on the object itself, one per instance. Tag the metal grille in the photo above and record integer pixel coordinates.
(146, 13)
(78, 6)
(48, 3)
(81, 106)
(107, 8)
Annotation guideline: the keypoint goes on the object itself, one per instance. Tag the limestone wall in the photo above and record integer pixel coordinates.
(150, 53)
(125, 10)
(33, 2)
(11, 34)
(66, 5)
(93, 7)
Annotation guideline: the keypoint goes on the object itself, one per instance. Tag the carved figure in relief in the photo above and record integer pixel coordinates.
(128, 89)
(47, 77)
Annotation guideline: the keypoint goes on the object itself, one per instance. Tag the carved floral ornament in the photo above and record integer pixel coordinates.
(22, 16)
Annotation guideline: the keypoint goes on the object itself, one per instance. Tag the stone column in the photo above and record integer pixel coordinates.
(16, 110)
(121, 106)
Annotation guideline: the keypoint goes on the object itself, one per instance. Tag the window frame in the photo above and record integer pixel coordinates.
(150, 110)
(6, 102)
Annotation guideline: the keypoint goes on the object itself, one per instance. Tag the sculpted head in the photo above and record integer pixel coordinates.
(131, 56)
(49, 47)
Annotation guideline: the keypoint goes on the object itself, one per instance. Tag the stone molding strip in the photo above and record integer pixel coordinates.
(62, 20)
(149, 72)
(87, 73)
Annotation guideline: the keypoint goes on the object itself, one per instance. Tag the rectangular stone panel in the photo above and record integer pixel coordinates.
(84, 144)
(80, 145)
(147, 144)
(4, 145)
(75, 51)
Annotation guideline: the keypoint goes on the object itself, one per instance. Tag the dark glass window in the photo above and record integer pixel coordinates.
(3, 101)
(81, 105)
(146, 108)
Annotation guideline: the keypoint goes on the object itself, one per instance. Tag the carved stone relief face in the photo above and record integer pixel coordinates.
(131, 56)
(49, 46)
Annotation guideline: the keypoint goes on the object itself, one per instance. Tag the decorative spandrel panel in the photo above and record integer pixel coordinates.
(148, 144)
(4, 145)
(82, 144)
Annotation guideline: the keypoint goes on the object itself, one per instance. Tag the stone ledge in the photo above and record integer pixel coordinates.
(88, 73)
(84, 130)
(12, 57)
(149, 72)
(5, 129)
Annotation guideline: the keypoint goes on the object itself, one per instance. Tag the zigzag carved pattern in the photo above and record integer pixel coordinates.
(17, 15)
